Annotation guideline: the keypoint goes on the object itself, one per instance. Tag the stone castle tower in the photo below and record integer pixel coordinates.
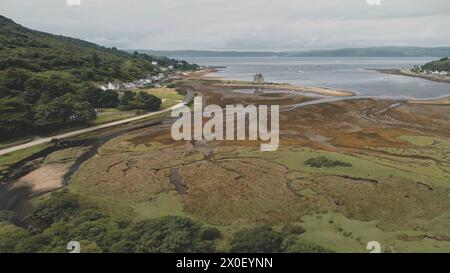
(258, 78)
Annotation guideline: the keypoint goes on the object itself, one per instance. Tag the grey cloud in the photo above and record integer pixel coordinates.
(239, 25)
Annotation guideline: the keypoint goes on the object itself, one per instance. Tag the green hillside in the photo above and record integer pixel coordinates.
(48, 82)
(439, 65)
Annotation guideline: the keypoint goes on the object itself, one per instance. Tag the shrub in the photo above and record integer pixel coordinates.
(323, 162)
(292, 244)
(293, 229)
(168, 235)
(210, 234)
(9, 236)
(257, 240)
(60, 205)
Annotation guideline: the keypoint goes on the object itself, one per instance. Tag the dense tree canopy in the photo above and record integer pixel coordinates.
(15, 115)
(64, 219)
(256, 240)
(61, 217)
(145, 101)
(107, 99)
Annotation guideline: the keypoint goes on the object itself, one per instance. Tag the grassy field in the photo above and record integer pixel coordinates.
(112, 114)
(428, 162)
(164, 93)
(342, 234)
(368, 211)
(339, 207)
(169, 98)
(8, 159)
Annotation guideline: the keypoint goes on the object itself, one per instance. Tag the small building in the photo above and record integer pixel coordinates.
(128, 85)
(443, 74)
(113, 86)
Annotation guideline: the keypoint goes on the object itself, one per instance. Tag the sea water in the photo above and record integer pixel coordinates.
(349, 73)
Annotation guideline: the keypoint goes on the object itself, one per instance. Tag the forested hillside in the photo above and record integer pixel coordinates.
(48, 82)
(440, 65)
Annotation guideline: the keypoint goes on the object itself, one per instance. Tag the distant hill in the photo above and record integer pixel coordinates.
(344, 52)
(47, 82)
(205, 53)
(376, 52)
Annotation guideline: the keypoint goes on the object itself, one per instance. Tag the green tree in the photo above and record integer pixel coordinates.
(117, 71)
(145, 101)
(59, 206)
(210, 234)
(35, 243)
(257, 240)
(92, 95)
(127, 97)
(10, 235)
(108, 99)
(83, 112)
(15, 79)
(95, 60)
(167, 235)
(31, 96)
(15, 117)
(52, 115)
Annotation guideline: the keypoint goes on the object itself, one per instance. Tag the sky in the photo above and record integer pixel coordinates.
(241, 25)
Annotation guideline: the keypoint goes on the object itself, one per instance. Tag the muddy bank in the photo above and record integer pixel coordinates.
(16, 196)
(27, 165)
(15, 200)
(439, 101)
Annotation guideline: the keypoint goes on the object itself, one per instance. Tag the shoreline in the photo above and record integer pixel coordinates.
(437, 101)
(322, 91)
(401, 72)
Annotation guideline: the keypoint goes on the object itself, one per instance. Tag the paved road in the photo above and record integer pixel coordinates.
(90, 129)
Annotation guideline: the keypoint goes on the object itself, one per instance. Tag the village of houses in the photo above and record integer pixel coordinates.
(421, 71)
(150, 80)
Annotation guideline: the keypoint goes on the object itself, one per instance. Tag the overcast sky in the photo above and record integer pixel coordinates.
(239, 24)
